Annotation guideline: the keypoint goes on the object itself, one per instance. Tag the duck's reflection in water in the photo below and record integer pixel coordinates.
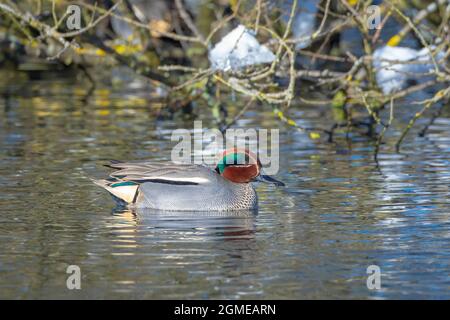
(182, 254)
(190, 225)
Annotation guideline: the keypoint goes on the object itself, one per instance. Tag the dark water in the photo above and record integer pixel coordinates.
(314, 238)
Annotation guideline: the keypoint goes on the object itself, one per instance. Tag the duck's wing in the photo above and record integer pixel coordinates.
(124, 183)
(139, 172)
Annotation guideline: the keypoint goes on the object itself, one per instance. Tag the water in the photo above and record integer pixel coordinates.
(314, 238)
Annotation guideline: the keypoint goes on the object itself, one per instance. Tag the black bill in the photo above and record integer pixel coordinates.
(269, 179)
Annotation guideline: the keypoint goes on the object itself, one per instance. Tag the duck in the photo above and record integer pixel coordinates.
(167, 186)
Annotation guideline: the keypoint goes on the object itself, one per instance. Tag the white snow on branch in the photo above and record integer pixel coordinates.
(394, 66)
(239, 49)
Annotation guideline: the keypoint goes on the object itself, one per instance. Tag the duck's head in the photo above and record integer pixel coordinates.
(242, 166)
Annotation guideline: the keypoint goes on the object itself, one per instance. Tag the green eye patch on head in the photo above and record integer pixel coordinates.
(232, 159)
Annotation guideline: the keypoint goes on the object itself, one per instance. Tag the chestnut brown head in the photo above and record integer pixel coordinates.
(242, 166)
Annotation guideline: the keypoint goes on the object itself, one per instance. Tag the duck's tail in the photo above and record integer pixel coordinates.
(125, 191)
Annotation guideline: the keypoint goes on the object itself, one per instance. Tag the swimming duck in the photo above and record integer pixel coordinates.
(188, 187)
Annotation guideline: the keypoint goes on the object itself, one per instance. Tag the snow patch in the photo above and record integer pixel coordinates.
(239, 49)
(393, 76)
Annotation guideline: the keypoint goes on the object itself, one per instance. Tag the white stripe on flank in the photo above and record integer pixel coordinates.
(193, 179)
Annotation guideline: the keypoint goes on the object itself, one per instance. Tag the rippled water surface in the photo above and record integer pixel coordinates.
(339, 212)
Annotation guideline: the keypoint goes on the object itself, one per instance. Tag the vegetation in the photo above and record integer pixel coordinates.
(168, 42)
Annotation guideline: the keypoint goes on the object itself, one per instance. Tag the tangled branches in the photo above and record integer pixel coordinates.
(172, 47)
